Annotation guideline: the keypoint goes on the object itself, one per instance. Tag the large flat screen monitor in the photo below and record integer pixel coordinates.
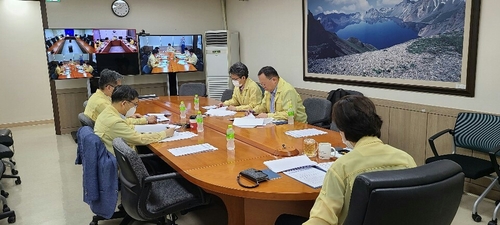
(70, 53)
(116, 49)
(176, 53)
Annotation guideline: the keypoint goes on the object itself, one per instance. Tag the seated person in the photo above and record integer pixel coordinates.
(247, 94)
(278, 97)
(153, 60)
(60, 69)
(359, 127)
(192, 58)
(108, 80)
(88, 68)
(111, 123)
(170, 48)
(186, 52)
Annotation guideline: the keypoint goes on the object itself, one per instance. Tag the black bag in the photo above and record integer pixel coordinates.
(252, 174)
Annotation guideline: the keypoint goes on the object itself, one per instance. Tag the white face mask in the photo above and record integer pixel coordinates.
(130, 112)
(236, 83)
(346, 142)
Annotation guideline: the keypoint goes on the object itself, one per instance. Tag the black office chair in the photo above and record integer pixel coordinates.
(493, 157)
(152, 198)
(85, 120)
(226, 95)
(6, 152)
(428, 194)
(6, 212)
(191, 89)
(319, 111)
(477, 132)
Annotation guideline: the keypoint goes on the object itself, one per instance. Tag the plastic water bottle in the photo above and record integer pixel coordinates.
(291, 114)
(230, 137)
(182, 108)
(199, 122)
(196, 102)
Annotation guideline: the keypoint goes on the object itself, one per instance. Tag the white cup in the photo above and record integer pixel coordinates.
(324, 150)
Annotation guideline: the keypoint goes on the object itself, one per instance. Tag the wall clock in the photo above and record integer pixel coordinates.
(120, 8)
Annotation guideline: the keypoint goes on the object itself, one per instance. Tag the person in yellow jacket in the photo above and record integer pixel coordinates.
(278, 97)
(108, 80)
(359, 127)
(246, 94)
(111, 123)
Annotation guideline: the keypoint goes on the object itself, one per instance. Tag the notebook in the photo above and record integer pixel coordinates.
(192, 149)
(301, 168)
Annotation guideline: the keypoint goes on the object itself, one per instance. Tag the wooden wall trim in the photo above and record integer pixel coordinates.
(26, 123)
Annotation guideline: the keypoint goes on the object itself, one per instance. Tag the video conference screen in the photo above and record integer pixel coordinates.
(70, 53)
(173, 55)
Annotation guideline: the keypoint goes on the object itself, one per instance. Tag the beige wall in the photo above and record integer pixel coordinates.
(271, 34)
(24, 84)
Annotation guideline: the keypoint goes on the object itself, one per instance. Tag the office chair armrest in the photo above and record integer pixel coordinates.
(433, 137)
(145, 156)
(493, 157)
(159, 177)
(320, 121)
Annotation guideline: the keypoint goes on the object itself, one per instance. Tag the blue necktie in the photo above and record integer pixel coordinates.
(272, 101)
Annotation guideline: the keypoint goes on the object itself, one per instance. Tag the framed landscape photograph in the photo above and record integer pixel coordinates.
(415, 45)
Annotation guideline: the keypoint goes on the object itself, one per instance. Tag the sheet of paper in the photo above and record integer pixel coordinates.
(159, 117)
(288, 163)
(248, 122)
(150, 128)
(179, 136)
(324, 165)
(210, 107)
(192, 149)
(305, 132)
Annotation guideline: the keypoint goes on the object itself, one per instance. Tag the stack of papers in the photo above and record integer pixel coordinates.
(222, 111)
(250, 121)
(310, 176)
(305, 132)
(179, 136)
(186, 150)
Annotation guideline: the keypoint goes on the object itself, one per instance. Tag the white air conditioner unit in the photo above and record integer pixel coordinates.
(222, 49)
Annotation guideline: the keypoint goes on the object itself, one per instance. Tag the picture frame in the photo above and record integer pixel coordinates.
(413, 45)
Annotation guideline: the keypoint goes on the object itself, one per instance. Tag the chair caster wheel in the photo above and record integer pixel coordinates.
(4, 193)
(6, 208)
(492, 222)
(93, 223)
(11, 219)
(18, 181)
(14, 172)
(476, 217)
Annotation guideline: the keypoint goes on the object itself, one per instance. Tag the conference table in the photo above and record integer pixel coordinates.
(216, 171)
(105, 46)
(172, 62)
(57, 47)
(72, 70)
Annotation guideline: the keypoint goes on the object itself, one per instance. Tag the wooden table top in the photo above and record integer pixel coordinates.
(73, 72)
(170, 63)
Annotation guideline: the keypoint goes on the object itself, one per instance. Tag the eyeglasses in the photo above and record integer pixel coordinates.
(135, 104)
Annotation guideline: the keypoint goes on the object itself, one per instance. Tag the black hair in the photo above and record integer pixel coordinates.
(191, 50)
(155, 51)
(269, 72)
(123, 93)
(357, 117)
(109, 77)
(239, 69)
(169, 44)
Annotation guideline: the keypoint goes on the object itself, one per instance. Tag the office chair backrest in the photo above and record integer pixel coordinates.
(85, 120)
(132, 171)
(85, 103)
(191, 89)
(477, 131)
(262, 89)
(226, 95)
(318, 110)
(428, 194)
